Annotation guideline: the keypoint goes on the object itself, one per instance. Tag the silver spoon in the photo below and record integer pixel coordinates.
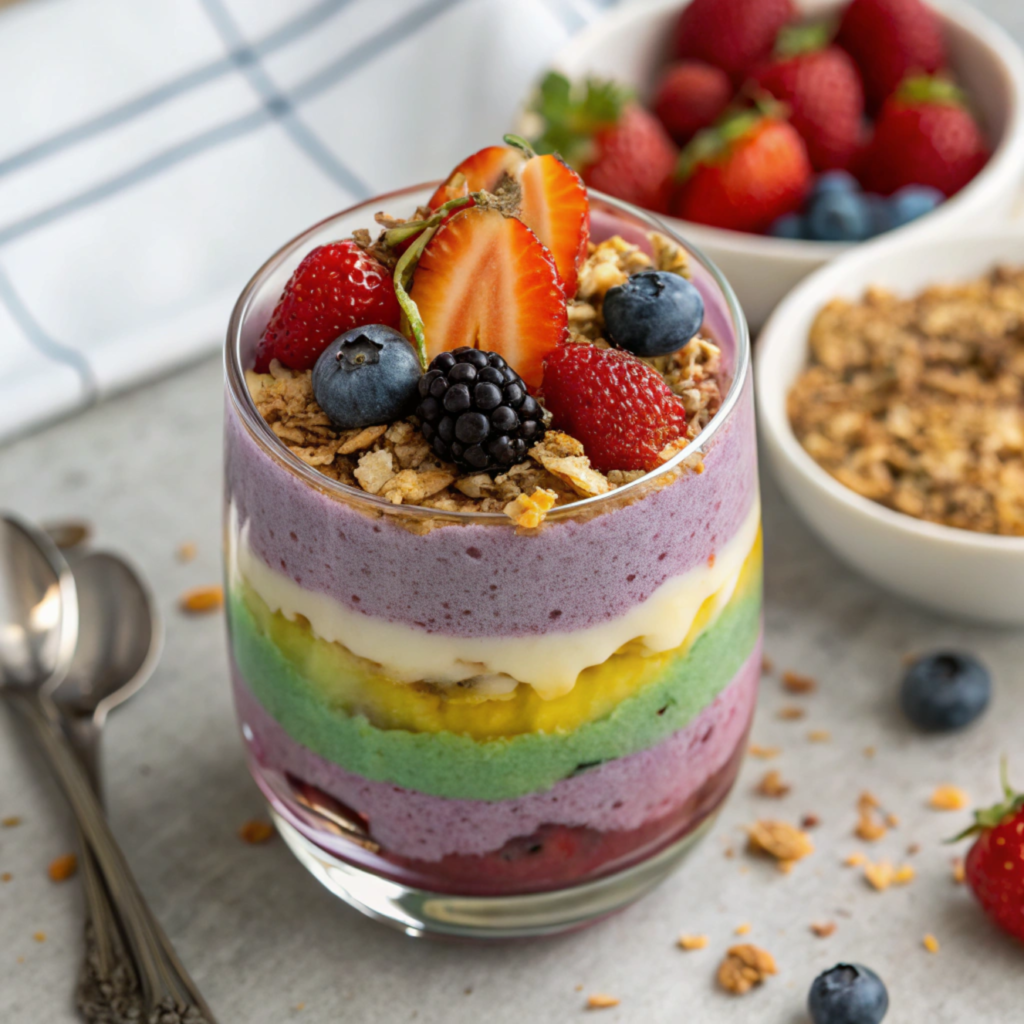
(36, 648)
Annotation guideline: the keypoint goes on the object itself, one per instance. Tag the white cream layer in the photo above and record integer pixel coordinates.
(550, 664)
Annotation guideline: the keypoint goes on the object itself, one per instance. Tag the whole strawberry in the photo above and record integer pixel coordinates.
(336, 287)
(615, 405)
(995, 863)
(616, 145)
(743, 174)
(889, 40)
(691, 95)
(821, 86)
(925, 135)
(731, 34)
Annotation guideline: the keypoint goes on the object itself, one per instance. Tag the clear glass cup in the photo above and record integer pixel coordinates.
(383, 657)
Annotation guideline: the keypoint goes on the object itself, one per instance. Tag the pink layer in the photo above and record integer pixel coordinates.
(620, 795)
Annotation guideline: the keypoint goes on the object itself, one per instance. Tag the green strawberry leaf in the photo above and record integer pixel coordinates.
(990, 817)
(794, 40)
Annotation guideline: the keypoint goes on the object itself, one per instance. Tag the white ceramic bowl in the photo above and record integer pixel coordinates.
(631, 45)
(969, 575)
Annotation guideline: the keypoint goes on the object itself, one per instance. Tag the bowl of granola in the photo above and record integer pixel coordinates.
(893, 417)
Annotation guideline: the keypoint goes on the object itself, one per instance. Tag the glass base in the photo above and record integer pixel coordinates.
(418, 912)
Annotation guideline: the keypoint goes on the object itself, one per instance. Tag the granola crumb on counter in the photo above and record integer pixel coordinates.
(744, 967)
(691, 942)
(765, 753)
(959, 871)
(772, 784)
(767, 665)
(855, 860)
(6, 876)
(39, 936)
(743, 929)
(785, 842)
(62, 868)
(823, 929)
(790, 713)
(11, 821)
(202, 600)
(949, 798)
(918, 403)
(819, 736)
(186, 551)
(601, 1001)
(810, 821)
(930, 943)
(870, 827)
(797, 683)
(256, 831)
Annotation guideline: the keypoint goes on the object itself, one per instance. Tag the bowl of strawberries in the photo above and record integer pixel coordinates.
(775, 134)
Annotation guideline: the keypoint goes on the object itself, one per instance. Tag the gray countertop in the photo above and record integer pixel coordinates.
(267, 944)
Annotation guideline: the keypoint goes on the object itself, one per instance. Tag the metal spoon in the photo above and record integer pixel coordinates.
(37, 634)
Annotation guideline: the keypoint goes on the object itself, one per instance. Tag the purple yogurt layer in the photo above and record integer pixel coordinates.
(485, 581)
(621, 795)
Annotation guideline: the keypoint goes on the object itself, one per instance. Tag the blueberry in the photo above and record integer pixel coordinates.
(789, 226)
(944, 691)
(912, 202)
(369, 375)
(848, 994)
(879, 213)
(835, 181)
(653, 313)
(839, 217)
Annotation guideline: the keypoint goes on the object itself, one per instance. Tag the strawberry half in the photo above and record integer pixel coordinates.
(335, 288)
(485, 281)
(553, 203)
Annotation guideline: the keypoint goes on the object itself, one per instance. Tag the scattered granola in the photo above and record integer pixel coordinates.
(869, 826)
(744, 967)
(949, 798)
(6, 876)
(810, 821)
(601, 1001)
(785, 842)
(39, 936)
(766, 665)
(743, 929)
(690, 942)
(854, 860)
(959, 871)
(882, 875)
(918, 403)
(63, 868)
(256, 831)
(823, 929)
(12, 821)
(201, 600)
(930, 943)
(797, 683)
(528, 511)
(765, 753)
(186, 551)
(819, 736)
(790, 713)
(771, 784)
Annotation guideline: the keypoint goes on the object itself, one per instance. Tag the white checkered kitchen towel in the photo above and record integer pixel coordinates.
(155, 152)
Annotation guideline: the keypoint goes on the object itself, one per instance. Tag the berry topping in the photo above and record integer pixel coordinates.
(552, 199)
(366, 377)
(848, 994)
(995, 863)
(485, 281)
(335, 288)
(616, 406)
(890, 39)
(945, 691)
(476, 411)
(925, 135)
(616, 145)
(653, 313)
(731, 34)
(743, 174)
(838, 216)
(911, 203)
(691, 95)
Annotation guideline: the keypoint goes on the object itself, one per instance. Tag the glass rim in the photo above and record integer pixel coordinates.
(271, 443)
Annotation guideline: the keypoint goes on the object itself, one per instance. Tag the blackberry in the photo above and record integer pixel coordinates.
(475, 411)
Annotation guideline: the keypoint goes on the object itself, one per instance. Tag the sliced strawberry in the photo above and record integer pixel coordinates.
(480, 172)
(485, 281)
(555, 207)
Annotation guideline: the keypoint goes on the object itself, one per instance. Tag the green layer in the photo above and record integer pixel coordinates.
(456, 766)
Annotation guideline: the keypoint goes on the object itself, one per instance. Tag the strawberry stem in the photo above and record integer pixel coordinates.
(990, 817)
(521, 144)
(403, 276)
(794, 40)
(395, 236)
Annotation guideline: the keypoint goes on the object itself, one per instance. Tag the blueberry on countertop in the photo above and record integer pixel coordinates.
(653, 313)
(945, 691)
(912, 202)
(367, 376)
(848, 994)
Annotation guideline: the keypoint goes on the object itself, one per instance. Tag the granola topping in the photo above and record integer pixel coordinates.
(918, 403)
(744, 967)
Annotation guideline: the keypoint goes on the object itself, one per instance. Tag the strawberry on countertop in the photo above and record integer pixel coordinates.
(995, 863)
(743, 174)
(889, 40)
(821, 86)
(617, 146)
(731, 34)
(335, 288)
(925, 135)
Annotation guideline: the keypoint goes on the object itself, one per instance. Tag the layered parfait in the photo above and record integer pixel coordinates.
(494, 551)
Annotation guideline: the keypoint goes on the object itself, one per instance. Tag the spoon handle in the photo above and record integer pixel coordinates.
(161, 973)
